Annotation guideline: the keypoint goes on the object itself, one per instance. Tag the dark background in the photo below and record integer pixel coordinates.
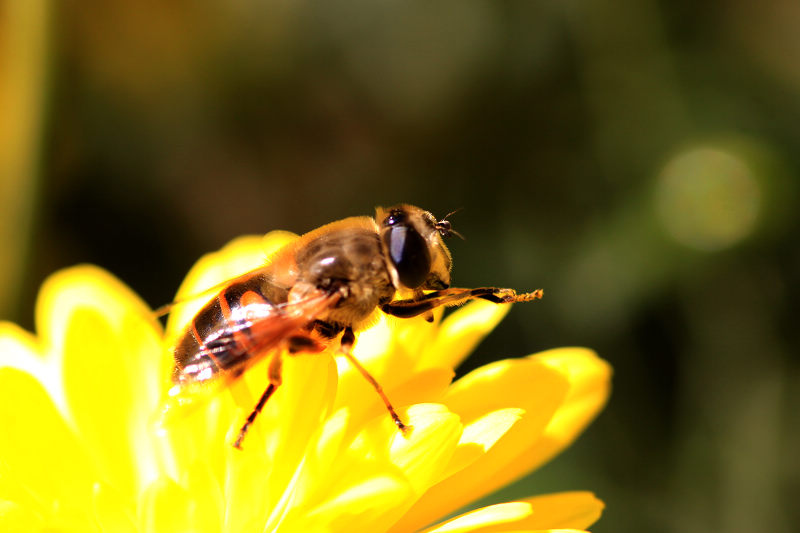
(636, 159)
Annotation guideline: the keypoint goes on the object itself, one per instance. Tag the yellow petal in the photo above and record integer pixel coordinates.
(208, 505)
(567, 510)
(16, 518)
(111, 350)
(493, 516)
(391, 347)
(564, 510)
(276, 443)
(357, 508)
(590, 386)
(21, 350)
(420, 455)
(187, 435)
(410, 336)
(461, 332)
(88, 287)
(112, 512)
(258, 478)
(375, 342)
(423, 454)
(364, 403)
(85, 286)
(411, 462)
(480, 435)
(41, 463)
(589, 379)
(166, 506)
(515, 383)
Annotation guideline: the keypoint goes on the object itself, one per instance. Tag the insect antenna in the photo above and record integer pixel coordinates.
(446, 229)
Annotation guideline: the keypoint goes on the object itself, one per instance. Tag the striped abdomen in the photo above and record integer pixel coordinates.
(231, 331)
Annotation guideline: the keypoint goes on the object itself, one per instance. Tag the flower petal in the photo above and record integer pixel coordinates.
(493, 516)
(390, 349)
(16, 518)
(410, 336)
(359, 507)
(112, 355)
(413, 461)
(259, 479)
(363, 402)
(166, 506)
(21, 350)
(566, 510)
(422, 454)
(41, 463)
(461, 332)
(480, 435)
(515, 383)
(590, 386)
(112, 512)
(84, 286)
(589, 379)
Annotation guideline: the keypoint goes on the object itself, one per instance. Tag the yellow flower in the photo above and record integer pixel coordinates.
(83, 446)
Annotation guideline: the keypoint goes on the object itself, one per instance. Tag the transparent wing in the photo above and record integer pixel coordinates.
(226, 339)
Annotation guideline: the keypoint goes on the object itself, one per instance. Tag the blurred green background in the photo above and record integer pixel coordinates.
(636, 159)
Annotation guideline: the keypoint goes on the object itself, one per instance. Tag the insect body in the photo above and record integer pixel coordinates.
(327, 284)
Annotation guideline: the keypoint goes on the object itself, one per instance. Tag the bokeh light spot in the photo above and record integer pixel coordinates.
(707, 199)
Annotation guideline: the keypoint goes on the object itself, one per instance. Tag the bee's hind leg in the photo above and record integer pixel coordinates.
(275, 379)
(295, 344)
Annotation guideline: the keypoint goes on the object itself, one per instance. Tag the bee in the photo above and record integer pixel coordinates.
(322, 288)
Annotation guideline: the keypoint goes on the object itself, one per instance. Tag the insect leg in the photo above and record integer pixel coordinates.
(275, 379)
(348, 339)
(428, 315)
(419, 305)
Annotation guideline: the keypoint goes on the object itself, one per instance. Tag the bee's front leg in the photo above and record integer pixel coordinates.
(427, 302)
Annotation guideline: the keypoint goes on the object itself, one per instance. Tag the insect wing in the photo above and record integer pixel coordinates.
(240, 259)
(226, 339)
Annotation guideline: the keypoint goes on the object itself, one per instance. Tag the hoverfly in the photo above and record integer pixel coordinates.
(325, 285)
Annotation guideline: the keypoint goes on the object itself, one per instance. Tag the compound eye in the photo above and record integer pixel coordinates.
(409, 254)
